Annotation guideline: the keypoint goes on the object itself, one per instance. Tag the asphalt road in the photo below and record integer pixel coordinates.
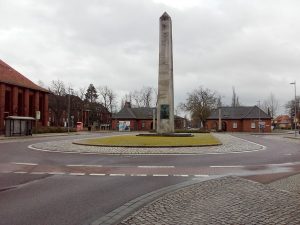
(54, 188)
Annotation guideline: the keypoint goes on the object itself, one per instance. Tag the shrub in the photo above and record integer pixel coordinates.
(41, 130)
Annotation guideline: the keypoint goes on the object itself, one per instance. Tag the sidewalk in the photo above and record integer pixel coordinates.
(225, 200)
(2, 137)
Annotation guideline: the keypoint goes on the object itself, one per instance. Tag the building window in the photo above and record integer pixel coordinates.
(143, 124)
(252, 125)
(234, 125)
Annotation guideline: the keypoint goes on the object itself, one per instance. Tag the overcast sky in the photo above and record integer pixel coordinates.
(251, 45)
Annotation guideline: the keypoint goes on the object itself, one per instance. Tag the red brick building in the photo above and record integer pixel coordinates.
(20, 97)
(240, 119)
(283, 122)
(140, 119)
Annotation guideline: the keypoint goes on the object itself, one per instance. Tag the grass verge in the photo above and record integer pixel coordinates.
(150, 141)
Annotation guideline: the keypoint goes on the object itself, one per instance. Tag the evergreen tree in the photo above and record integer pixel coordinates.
(91, 94)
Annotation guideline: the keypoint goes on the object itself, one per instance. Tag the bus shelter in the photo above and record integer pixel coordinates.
(18, 125)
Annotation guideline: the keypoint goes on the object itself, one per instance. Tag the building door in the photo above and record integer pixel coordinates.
(224, 126)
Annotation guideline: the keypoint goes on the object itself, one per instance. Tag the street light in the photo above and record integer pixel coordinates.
(295, 117)
(69, 109)
(258, 116)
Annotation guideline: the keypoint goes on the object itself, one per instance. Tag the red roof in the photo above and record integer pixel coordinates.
(9, 75)
(283, 119)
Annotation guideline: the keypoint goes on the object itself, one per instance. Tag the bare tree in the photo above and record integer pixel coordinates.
(108, 97)
(235, 99)
(146, 94)
(290, 108)
(57, 101)
(140, 98)
(200, 103)
(271, 105)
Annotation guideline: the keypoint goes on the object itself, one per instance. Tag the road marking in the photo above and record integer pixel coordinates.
(38, 173)
(56, 173)
(138, 175)
(156, 166)
(23, 163)
(83, 165)
(201, 175)
(226, 166)
(77, 174)
(97, 174)
(6, 171)
(180, 175)
(117, 174)
(160, 175)
(20, 172)
(288, 154)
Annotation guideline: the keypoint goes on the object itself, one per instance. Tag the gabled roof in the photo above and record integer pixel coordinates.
(9, 75)
(141, 113)
(283, 119)
(135, 113)
(240, 112)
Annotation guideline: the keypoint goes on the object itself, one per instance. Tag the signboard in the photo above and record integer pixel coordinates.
(164, 112)
(38, 115)
(262, 124)
(124, 125)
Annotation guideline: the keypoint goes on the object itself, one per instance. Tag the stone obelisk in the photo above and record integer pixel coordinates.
(165, 102)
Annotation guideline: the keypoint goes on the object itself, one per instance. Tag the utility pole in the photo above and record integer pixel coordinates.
(69, 109)
(295, 110)
(258, 116)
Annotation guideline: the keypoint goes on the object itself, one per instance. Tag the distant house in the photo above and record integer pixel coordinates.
(240, 119)
(80, 111)
(139, 119)
(21, 97)
(282, 122)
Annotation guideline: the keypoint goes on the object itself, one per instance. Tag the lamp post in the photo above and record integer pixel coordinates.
(69, 109)
(258, 116)
(295, 116)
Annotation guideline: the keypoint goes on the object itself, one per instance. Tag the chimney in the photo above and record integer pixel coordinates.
(127, 105)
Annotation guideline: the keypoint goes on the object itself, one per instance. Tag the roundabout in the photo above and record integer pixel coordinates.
(147, 141)
(230, 144)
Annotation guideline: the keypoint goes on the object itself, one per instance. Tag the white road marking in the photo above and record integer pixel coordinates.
(20, 172)
(156, 166)
(77, 174)
(23, 163)
(117, 174)
(138, 175)
(83, 165)
(97, 174)
(201, 175)
(56, 173)
(38, 173)
(226, 166)
(160, 175)
(180, 175)
(288, 154)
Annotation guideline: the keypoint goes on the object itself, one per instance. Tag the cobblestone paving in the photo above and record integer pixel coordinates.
(228, 200)
(291, 184)
(230, 144)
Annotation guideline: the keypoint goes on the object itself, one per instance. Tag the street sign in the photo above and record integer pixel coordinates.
(38, 115)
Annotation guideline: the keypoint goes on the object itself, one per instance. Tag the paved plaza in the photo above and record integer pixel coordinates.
(226, 200)
(230, 144)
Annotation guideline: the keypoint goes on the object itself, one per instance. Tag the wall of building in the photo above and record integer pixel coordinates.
(242, 125)
(20, 101)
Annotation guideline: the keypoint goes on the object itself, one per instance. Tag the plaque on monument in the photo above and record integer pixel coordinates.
(164, 111)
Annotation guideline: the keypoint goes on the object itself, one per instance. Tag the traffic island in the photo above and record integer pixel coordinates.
(197, 140)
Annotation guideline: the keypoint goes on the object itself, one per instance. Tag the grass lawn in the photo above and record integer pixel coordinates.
(150, 141)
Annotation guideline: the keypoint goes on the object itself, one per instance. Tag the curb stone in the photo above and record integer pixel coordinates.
(132, 206)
